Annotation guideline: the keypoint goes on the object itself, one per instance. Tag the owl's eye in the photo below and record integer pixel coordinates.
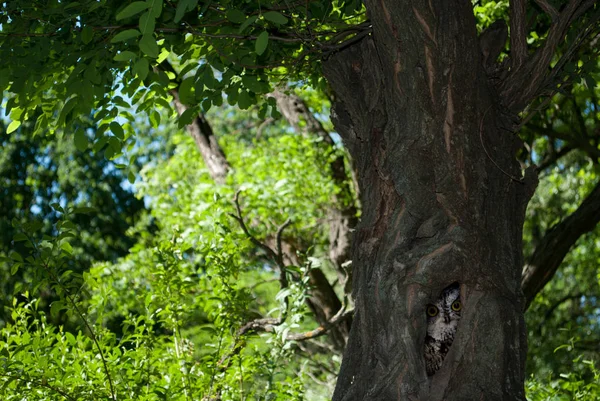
(456, 305)
(432, 310)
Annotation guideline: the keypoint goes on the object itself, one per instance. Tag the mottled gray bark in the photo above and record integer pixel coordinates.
(442, 200)
(210, 150)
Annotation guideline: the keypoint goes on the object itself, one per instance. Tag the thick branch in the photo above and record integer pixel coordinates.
(529, 77)
(324, 302)
(548, 9)
(209, 148)
(575, 141)
(555, 245)
(553, 158)
(202, 133)
(518, 32)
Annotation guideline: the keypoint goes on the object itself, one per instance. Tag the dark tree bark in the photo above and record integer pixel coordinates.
(443, 202)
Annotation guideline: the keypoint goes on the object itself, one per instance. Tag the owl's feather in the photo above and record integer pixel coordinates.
(441, 328)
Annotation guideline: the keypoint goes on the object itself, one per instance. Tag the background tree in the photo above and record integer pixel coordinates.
(427, 113)
(38, 173)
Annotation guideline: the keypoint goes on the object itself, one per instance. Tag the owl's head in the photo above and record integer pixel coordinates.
(444, 314)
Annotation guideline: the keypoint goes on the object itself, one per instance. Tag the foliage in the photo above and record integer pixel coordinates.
(38, 173)
(159, 312)
(566, 310)
(583, 384)
(176, 302)
(96, 57)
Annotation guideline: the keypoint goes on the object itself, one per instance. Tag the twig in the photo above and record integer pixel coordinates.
(537, 109)
(270, 252)
(42, 384)
(53, 277)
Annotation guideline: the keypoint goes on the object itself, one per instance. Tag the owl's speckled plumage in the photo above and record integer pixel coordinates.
(441, 327)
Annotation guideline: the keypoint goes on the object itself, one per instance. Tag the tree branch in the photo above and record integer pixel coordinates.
(575, 141)
(202, 133)
(548, 9)
(518, 32)
(276, 256)
(528, 77)
(549, 161)
(554, 246)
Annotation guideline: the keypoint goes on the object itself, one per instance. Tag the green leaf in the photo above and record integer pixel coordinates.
(12, 127)
(67, 109)
(125, 56)
(125, 35)
(186, 91)
(141, 68)
(81, 141)
(183, 6)
(154, 118)
(148, 46)
(65, 246)
(275, 17)
(15, 256)
(206, 105)
(261, 43)
(87, 34)
(19, 237)
(187, 117)
(109, 152)
(55, 308)
(251, 20)
(244, 100)
(147, 23)
(156, 8)
(132, 9)
(117, 130)
(131, 177)
(251, 82)
(14, 268)
(235, 16)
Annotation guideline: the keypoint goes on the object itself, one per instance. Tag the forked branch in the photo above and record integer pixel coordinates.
(529, 74)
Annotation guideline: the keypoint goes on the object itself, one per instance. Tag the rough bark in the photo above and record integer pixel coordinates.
(202, 133)
(555, 245)
(443, 203)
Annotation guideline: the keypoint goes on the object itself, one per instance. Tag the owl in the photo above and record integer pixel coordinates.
(442, 321)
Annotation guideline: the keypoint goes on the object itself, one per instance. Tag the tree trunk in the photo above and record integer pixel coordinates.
(442, 203)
